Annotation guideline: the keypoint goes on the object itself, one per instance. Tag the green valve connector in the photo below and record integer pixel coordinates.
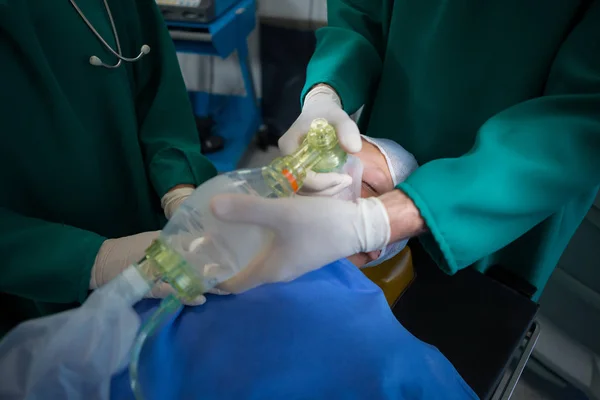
(161, 262)
(320, 152)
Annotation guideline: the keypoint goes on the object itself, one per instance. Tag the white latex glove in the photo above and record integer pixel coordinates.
(173, 199)
(310, 232)
(323, 102)
(117, 254)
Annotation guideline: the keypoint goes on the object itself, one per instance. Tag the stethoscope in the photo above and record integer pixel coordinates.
(95, 60)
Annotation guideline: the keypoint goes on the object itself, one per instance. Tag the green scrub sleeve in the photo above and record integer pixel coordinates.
(528, 161)
(44, 261)
(349, 51)
(168, 131)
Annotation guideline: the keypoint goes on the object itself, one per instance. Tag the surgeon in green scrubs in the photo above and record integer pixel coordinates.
(498, 100)
(87, 152)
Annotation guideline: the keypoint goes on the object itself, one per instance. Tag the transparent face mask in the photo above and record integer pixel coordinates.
(401, 163)
(389, 251)
(354, 167)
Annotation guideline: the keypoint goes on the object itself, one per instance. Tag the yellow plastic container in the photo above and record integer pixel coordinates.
(393, 276)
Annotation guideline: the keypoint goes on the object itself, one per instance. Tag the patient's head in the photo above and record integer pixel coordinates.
(385, 165)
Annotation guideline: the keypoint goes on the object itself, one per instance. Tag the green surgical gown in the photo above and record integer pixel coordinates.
(498, 100)
(86, 152)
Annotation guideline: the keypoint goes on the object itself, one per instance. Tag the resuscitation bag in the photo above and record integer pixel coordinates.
(71, 355)
(329, 334)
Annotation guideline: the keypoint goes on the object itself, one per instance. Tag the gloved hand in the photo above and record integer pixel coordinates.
(310, 232)
(173, 199)
(323, 102)
(117, 254)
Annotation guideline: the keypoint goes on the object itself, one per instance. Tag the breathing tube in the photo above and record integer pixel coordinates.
(169, 309)
(161, 263)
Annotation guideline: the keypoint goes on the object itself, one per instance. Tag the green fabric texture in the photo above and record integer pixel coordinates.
(87, 152)
(499, 102)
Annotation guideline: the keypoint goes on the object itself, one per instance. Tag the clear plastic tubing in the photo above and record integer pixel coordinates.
(169, 308)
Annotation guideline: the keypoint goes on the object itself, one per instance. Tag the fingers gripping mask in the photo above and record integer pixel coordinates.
(401, 164)
(354, 167)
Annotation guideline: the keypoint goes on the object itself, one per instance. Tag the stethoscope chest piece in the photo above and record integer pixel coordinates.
(95, 60)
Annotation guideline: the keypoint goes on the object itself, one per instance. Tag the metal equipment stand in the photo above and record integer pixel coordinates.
(507, 385)
(237, 118)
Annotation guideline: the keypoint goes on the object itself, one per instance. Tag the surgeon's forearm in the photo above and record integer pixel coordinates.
(167, 131)
(45, 261)
(405, 218)
(349, 51)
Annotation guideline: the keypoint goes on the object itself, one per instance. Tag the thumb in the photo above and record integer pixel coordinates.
(289, 142)
(163, 289)
(244, 209)
(219, 292)
(325, 184)
(347, 132)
